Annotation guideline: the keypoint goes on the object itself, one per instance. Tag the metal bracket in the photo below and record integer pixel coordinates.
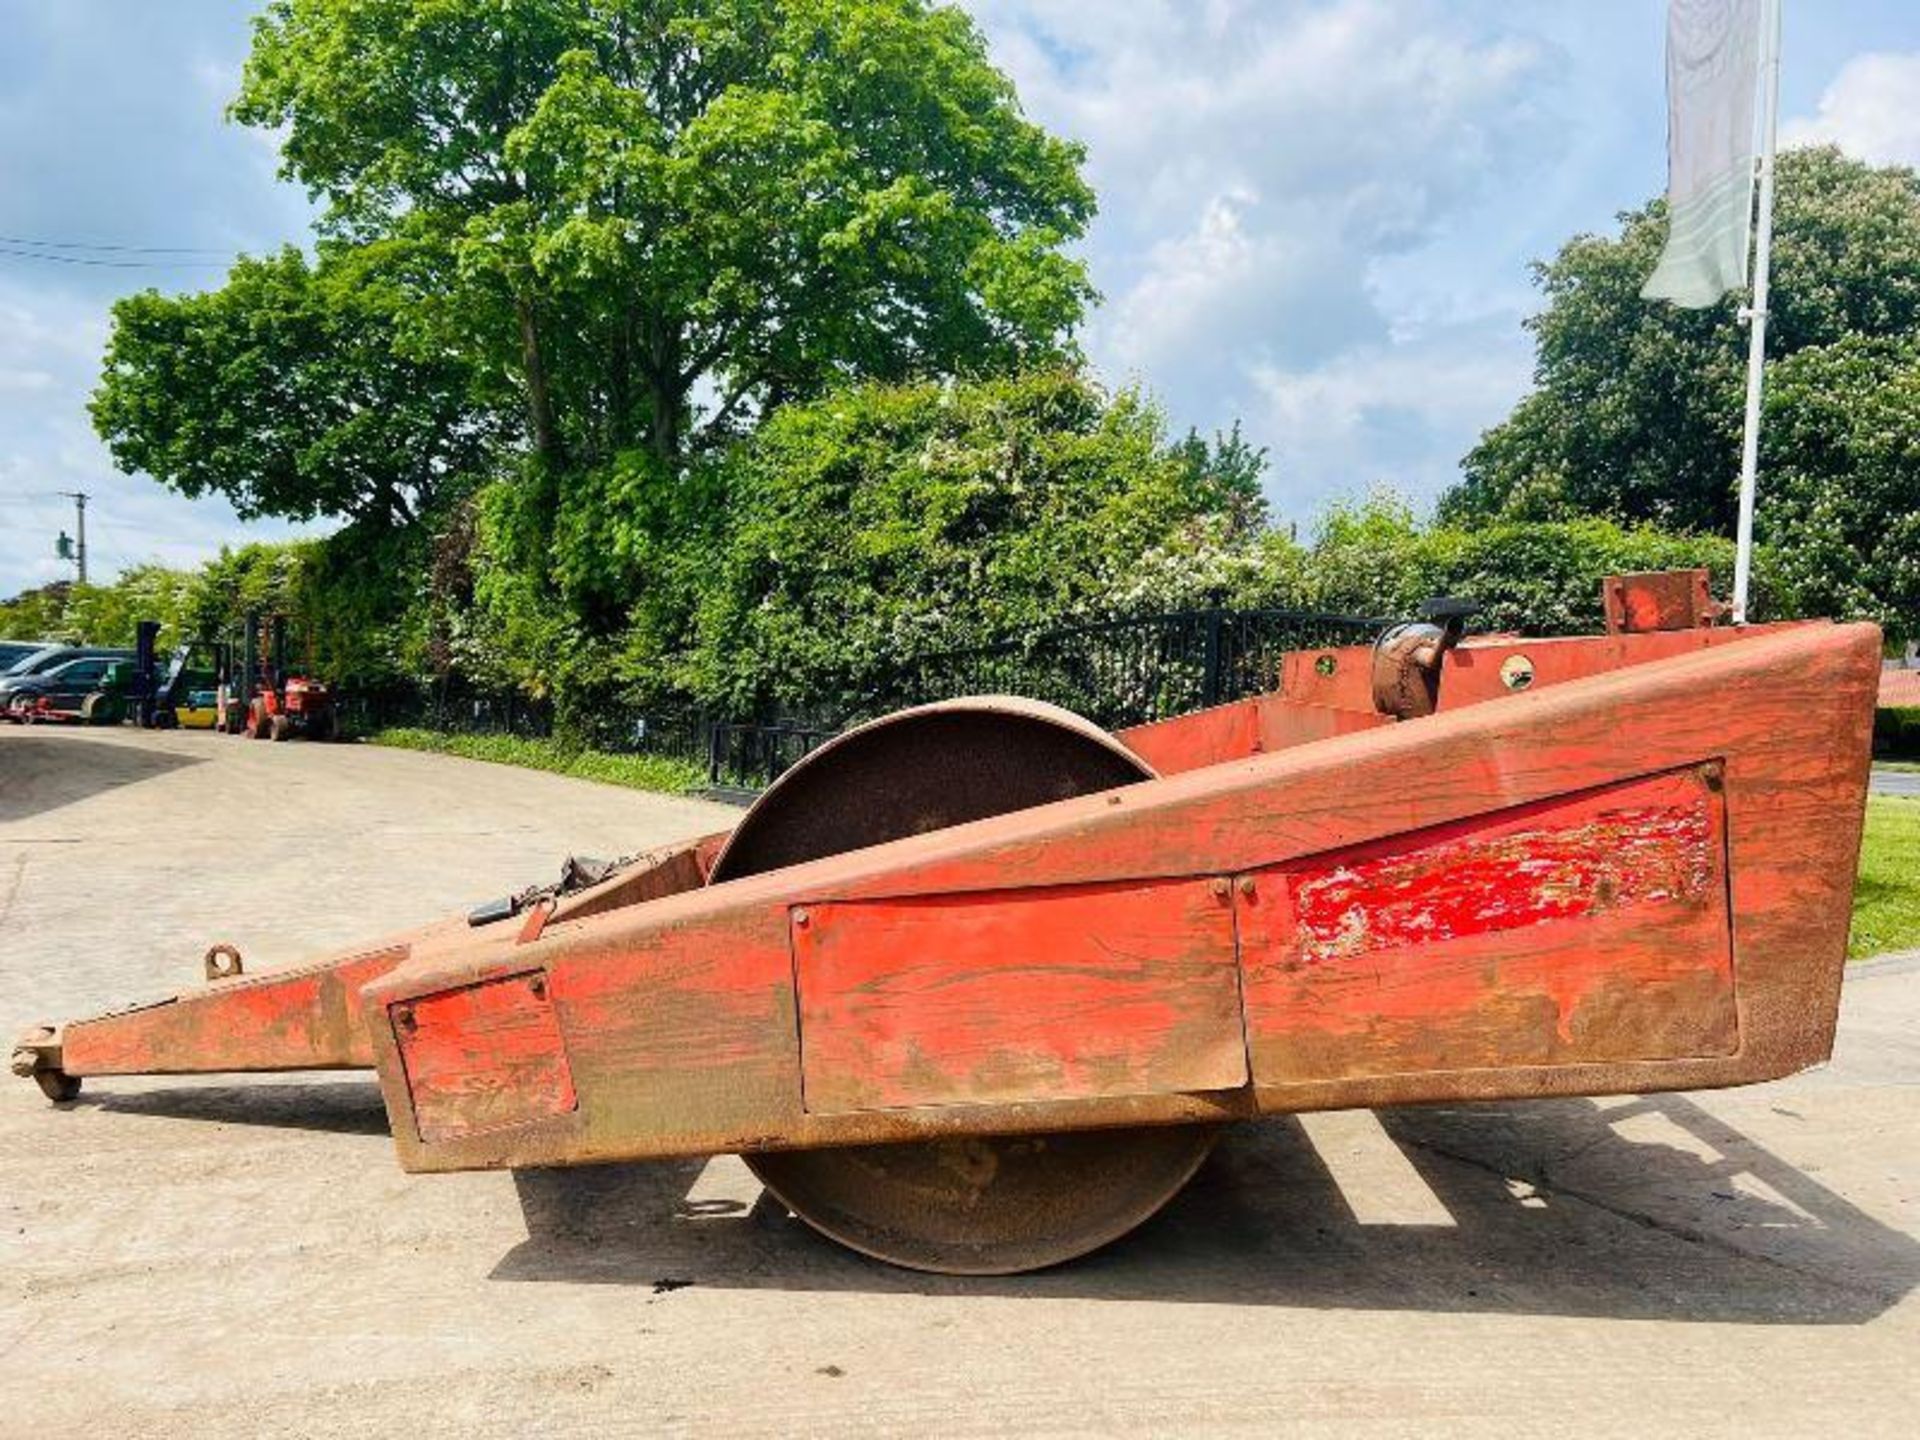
(37, 1056)
(1451, 613)
(536, 920)
(223, 962)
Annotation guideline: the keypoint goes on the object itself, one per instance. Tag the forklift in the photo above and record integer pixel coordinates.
(180, 692)
(262, 699)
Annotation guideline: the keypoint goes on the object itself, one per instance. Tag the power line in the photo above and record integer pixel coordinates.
(122, 249)
(97, 263)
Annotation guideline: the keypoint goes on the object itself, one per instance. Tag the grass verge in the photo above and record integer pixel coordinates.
(636, 772)
(1907, 765)
(1886, 900)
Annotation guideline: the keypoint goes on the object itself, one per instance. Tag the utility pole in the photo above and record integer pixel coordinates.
(1756, 314)
(79, 498)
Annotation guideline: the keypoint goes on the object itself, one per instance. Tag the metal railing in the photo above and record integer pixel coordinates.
(1133, 669)
(1117, 672)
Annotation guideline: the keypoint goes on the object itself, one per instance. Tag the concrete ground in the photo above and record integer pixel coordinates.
(216, 1258)
(1887, 781)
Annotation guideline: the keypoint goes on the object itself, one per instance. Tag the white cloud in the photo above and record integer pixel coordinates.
(1271, 173)
(52, 341)
(1315, 214)
(111, 132)
(1397, 413)
(1871, 110)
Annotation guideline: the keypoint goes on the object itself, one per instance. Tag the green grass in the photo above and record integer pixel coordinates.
(1886, 901)
(1896, 764)
(636, 772)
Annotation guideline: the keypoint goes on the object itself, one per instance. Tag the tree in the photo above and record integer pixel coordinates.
(293, 391)
(1842, 451)
(1376, 558)
(884, 522)
(1638, 406)
(660, 218)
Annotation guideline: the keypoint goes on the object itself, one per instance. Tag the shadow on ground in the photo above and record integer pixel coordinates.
(1554, 1212)
(338, 1107)
(46, 770)
(1637, 1209)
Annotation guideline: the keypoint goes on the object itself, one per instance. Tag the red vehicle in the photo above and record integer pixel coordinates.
(298, 707)
(263, 701)
(975, 987)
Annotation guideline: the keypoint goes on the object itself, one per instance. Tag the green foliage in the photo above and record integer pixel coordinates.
(39, 614)
(293, 392)
(107, 614)
(636, 772)
(259, 578)
(1639, 406)
(610, 207)
(1842, 438)
(346, 599)
(886, 521)
(872, 528)
(1377, 559)
(1896, 731)
(1886, 899)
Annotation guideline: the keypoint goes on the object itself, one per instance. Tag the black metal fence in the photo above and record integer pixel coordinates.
(1128, 671)
(1116, 672)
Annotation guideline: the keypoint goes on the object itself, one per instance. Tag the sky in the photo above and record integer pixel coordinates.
(1316, 216)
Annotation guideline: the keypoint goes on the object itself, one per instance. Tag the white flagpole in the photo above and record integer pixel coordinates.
(1756, 314)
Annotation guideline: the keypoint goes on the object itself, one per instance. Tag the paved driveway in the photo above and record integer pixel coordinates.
(1895, 782)
(216, 1258)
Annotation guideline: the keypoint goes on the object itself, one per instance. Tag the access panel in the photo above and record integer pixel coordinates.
(1588, 928)
(1061, 993)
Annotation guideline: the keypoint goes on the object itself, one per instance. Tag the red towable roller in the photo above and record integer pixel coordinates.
(974, 987)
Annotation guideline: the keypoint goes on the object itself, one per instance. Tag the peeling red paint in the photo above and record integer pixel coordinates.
(1478, 885)
(1593, 926)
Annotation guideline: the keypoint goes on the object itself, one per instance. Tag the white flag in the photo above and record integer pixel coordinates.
(1713, 69)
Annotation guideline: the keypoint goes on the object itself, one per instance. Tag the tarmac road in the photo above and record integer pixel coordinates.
(1895, 782)
(218, 1258)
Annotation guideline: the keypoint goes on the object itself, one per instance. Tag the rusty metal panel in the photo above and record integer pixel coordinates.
(1495, 667)
(1589, 928)
(303, 1018)
(680, 1017)
(1245, 727)
(483, 1057)
(1340, 676)
(1205, 737)
(1658, 600)
(671, 870)
(1018, 995)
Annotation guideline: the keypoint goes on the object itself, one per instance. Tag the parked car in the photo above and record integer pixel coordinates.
(12, 652)
(63, 686)
(45, 656)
